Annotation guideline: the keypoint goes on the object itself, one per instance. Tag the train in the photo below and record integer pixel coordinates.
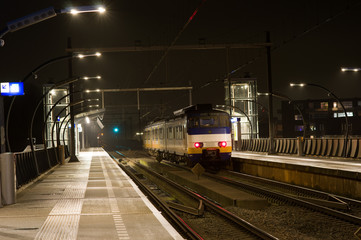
(195, 134)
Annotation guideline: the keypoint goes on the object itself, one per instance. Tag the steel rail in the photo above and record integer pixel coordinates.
(334, 213)
(218, 209)
(166, 210)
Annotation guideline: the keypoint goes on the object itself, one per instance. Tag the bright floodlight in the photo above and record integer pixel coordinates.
(97, 54)
(84, 9)
(344, 69)
(262, 94)
(87, 78)
(297, 84)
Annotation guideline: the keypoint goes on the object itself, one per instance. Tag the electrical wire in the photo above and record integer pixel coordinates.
(174, 41)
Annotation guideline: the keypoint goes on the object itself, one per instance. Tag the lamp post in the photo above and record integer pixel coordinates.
(62, 83)
(344, 153)
(34, 73)
(45, 14)
(350, 69)
(60, 112)
(282, 96)
(65, 117)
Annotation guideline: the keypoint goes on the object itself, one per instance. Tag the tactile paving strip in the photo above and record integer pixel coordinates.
(118, 220)
(63, 220)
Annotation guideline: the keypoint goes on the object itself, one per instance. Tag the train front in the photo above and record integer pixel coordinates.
(209, 138)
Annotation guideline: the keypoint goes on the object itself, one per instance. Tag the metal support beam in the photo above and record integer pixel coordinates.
(178, 47)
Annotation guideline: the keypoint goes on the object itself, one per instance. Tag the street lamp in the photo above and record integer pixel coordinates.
(87, 78)
(68, 81)
(349, 69)
(337, 99)
(34, 73)
(281, 96)
(45, 14)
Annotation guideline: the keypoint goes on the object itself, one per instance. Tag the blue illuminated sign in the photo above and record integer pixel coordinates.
(12, 88)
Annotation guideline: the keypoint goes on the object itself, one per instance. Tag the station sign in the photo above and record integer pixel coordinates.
(12, 88)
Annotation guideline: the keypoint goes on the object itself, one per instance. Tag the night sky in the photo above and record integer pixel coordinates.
(311, 40)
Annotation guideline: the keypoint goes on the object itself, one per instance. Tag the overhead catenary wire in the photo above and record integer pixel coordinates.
(296, 37)
(174, 41)
(325, 21)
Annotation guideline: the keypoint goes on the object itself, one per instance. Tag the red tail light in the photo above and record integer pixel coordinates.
(198, 144)
(222, 144)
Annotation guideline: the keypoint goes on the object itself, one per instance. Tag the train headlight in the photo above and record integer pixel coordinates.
(198, 144)
(222, 144)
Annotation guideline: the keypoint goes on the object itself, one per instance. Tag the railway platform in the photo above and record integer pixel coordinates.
(89, 199)
(340, 176)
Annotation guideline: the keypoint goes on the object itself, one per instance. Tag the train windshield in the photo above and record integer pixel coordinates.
(207, 120)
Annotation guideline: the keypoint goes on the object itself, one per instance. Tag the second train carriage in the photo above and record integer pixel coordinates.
(195, 134)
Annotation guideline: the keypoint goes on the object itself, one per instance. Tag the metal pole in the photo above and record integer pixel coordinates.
(73, 157)
(229, 81)
(67, 81)
(139, 126)
(56, 117)
(32, 73)
(270, 97)
(103, 104)
(190, 94)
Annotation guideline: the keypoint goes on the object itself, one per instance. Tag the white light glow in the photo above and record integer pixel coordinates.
(84, 9)
(87, 120)
(347, 69)
(101, 9)
(297, 84)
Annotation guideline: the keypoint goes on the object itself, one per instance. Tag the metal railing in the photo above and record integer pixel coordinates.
(26, 167)
(324, 147)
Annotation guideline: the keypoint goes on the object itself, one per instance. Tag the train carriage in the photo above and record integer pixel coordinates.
(195, 134)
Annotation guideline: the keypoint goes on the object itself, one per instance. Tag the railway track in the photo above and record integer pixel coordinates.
(293, 210)
(212, 222)
(326, 207)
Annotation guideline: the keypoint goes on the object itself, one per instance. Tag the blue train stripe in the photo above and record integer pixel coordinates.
(198, 131)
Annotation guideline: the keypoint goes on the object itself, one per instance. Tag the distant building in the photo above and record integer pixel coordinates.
(323, 117)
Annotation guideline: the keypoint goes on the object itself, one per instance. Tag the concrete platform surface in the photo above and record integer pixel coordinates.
(344, 164)
(90, 199)
(340, 176)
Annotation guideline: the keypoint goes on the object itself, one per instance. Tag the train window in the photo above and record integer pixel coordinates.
(156, 134)
(176, 133)
(179, 132)
(193, 122)
(153, 134)
(170, 133)
(209, 120)
(160, 133)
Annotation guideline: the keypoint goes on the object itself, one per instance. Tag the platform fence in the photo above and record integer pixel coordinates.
(323, 147)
